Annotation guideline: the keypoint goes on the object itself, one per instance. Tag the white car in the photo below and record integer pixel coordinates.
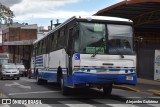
(9, 71)
(22, 70)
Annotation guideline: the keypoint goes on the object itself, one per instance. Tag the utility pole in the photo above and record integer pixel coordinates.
(51, 24)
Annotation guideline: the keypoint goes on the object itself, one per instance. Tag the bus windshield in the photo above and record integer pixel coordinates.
(101, 38)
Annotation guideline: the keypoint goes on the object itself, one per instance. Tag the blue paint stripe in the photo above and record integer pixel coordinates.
(39, 62)
(39, 59)
(53, 70)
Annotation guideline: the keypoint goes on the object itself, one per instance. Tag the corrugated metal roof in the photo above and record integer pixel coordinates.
(144, 13)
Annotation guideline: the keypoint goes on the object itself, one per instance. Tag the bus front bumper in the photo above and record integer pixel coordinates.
(86, 78)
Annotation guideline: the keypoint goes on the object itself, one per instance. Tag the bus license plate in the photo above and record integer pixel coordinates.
(129, 78)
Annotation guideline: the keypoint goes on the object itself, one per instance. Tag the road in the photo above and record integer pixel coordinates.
(27, 88)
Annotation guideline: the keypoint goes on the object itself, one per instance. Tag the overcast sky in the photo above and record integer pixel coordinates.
(42, 11)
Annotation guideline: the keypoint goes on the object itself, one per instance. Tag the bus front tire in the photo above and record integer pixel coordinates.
(40, 81)
(64, 89)
(107, 89)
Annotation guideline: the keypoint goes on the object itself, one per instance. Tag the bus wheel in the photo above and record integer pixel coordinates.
(64, 89)
(40, 81)
(107, 89)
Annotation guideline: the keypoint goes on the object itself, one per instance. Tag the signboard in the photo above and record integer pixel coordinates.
(92, 50)
(157, 65)
(77, 56)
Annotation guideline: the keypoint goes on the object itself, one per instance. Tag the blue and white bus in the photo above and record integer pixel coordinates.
(85, 52)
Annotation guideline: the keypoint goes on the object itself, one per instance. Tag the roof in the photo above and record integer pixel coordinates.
(89, 18)
(144, 13)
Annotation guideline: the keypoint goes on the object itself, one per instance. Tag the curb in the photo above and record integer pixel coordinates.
(157, 94)
(126, 88)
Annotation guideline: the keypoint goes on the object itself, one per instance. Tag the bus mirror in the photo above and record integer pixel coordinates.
(138, 41)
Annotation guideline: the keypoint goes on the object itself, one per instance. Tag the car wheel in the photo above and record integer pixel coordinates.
(18, 78)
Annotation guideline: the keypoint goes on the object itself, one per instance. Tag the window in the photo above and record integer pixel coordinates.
(39, 48)
(48, 43)
(91, 38)
(61, 39)
(120, 39)
(44, 46)
(53, 42)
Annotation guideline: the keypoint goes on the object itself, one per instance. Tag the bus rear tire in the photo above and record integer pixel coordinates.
(40, 81)
(64, 89)
(107, 89)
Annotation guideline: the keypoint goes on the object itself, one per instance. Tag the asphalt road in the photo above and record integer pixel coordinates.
(50, 95)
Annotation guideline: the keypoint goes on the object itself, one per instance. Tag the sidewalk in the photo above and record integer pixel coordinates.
(143, 86)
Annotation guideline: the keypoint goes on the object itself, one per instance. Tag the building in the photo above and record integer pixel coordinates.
(17, 40)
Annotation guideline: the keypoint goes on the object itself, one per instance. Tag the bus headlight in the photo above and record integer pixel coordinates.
(83, 69)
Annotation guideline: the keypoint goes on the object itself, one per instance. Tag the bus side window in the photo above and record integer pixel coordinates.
(44, 47)
(38, 48)
(53, 42)
(61, 39)
(70, 43)
(48, 44)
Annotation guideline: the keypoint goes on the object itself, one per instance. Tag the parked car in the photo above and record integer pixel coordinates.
(22, 70)
(9, 71)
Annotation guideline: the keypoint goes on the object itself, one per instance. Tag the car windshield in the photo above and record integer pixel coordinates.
(102, 38)
(9, 67)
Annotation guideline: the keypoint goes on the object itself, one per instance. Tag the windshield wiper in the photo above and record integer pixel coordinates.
(96, 51)
(122, 56)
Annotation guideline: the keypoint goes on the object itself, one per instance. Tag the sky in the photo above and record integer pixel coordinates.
(41, 12)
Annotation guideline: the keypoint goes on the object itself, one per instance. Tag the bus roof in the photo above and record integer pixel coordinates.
(89, 18)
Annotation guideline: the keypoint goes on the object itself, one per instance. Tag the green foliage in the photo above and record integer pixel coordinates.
(6, 15)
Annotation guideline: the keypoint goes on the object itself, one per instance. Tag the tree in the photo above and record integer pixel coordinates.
(6, 14)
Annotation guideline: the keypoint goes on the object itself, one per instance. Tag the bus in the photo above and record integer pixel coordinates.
(87, 51)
